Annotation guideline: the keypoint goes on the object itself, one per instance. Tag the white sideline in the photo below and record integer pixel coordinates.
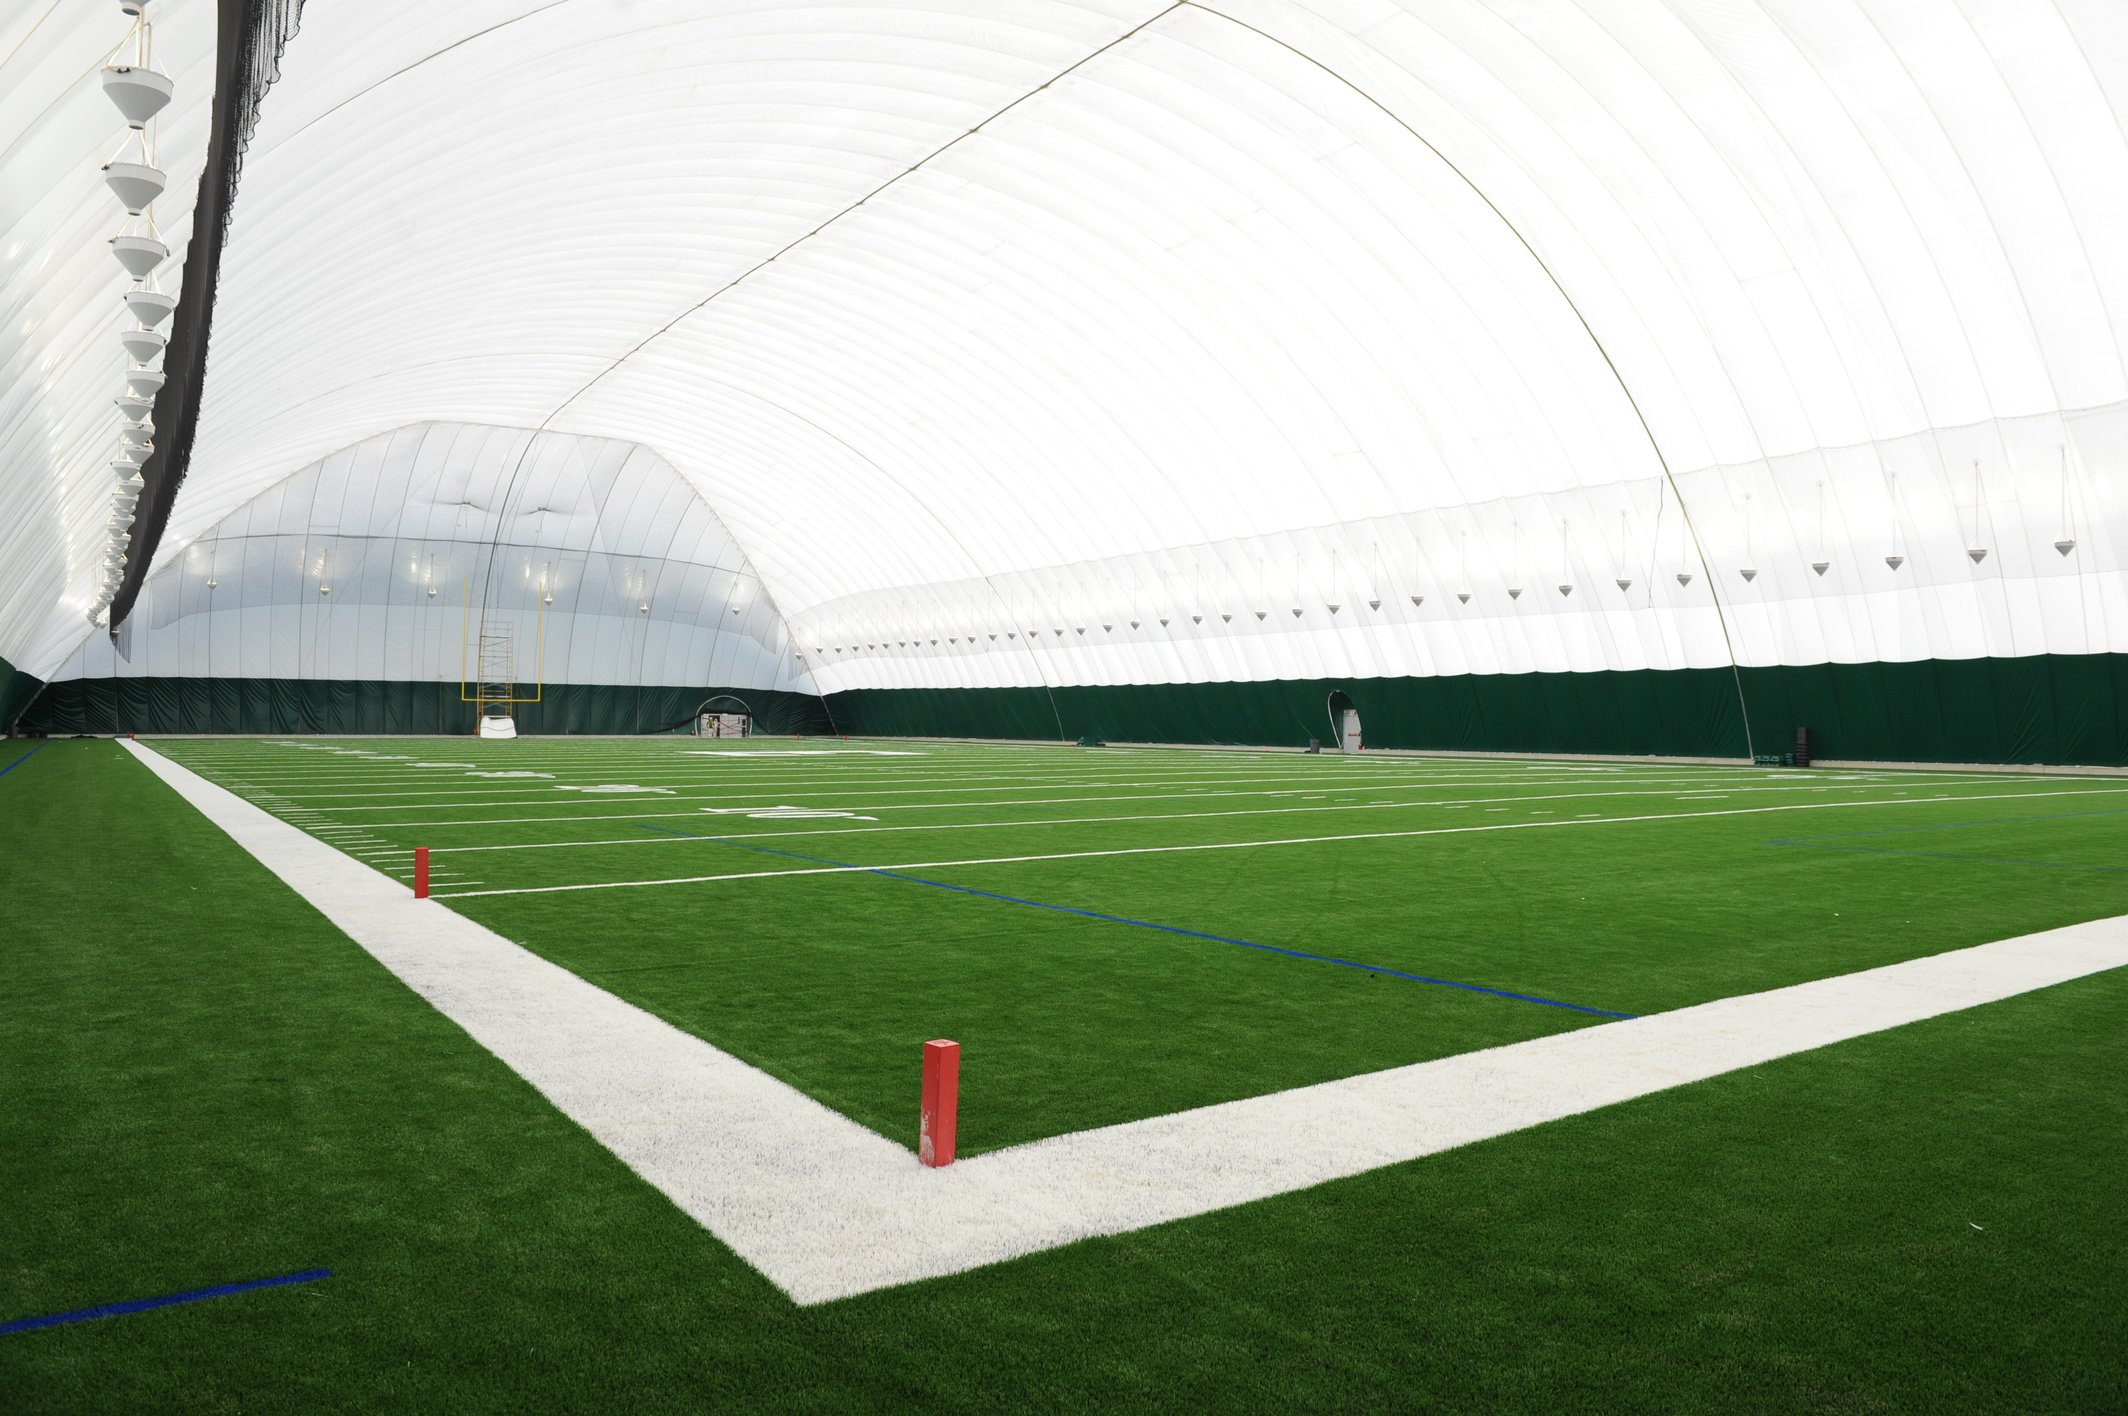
(826, 1209)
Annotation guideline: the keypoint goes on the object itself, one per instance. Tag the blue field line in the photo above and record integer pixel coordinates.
(24, 757)
(1143, 924)
(142, 1305)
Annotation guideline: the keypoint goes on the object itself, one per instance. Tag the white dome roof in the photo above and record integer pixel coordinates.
(1057, 313)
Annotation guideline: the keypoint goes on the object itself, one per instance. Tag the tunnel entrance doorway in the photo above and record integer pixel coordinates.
(1344, 723)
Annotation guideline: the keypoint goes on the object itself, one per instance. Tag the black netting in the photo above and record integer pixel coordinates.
(249, 38)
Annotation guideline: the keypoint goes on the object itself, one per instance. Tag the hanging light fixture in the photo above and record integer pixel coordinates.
(139, 254)
(1623, 582)
(150, 307)
(2067, 543)
(1897, 558)
(1748, 570)
(1974, 551)
(139, 92)
(142, 344)
(135, 90)
(1823, 562)
(135, 184)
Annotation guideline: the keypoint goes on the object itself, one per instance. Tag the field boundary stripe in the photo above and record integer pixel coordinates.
(1105, 918)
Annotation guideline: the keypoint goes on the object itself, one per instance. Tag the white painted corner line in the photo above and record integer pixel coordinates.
(827, 1209)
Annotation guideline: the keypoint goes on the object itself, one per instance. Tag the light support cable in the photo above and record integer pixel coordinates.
(1661, 461)
(510, 487)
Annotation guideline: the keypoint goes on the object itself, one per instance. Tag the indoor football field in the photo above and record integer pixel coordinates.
(995, 706)
(212, 1082)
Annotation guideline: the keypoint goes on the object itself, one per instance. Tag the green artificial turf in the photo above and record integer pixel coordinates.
(204, 1082)
(832, 981)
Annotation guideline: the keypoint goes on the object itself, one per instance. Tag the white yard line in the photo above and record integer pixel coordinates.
(1283, 841)
(826, 1209)
(589, 815)
(649, 775)
(681, 838)
(470, 793)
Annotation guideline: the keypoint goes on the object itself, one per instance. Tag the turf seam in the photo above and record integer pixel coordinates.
(1976, 859)
(1945, 826)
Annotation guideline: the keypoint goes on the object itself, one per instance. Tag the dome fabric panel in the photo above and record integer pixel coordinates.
(607, 568)
(1007, 323)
